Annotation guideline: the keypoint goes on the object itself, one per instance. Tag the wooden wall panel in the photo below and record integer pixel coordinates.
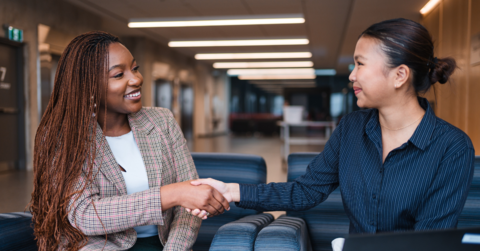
(453, 44)
(452, 24)
(473, 124)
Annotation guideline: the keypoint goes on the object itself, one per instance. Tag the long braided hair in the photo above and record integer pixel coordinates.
(65, 140)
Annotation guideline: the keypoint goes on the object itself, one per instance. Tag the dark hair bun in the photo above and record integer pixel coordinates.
(444, 68)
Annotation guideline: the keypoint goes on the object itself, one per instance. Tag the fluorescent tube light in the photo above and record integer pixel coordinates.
(258, 77)
(230, 65)
(216, 21)
(210, 56)
(429, 6)
(249, 42)
(284, 71)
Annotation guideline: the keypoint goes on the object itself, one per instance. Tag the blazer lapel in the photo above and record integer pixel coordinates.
(146, 139)
(108, 165)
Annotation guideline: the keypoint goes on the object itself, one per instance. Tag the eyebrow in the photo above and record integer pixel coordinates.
(359, 56)
(119, 65)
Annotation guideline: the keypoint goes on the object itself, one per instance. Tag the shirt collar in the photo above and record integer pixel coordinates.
(422, 135)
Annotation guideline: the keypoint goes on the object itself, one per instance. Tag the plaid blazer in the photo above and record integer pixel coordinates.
(107, 215)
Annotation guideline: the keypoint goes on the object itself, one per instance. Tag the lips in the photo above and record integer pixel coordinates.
(133, 95)
(357, 90)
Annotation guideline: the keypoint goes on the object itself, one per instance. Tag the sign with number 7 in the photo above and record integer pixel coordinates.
(4, 71)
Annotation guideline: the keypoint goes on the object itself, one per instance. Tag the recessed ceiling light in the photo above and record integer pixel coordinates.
(216, 21)
(429, 6)
(211, 56)
(247, 42)
(230, 65)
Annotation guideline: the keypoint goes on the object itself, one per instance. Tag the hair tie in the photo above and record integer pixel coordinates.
(432, 63)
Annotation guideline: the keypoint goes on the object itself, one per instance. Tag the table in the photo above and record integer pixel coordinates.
(287, 140)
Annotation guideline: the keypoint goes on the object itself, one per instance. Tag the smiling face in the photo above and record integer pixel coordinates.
(373, 81)
(124, 82)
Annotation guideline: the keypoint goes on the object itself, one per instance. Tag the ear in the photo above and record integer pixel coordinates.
(402, 76)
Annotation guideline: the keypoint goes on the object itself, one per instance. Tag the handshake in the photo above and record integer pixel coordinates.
(209, 197)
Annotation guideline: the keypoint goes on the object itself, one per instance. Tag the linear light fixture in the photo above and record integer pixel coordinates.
(429, 6)
(246, 42)
(265, 77)
(211, 56)
(282, 71)
(230, 65)
(216, 21)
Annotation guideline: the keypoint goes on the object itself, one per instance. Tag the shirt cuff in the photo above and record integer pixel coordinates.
(248, 196)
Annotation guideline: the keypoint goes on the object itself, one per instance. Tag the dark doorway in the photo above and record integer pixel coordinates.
(163, 94)
(186, 110)
(12, 129)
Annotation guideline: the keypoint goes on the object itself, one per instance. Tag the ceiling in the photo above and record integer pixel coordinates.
(332, 26)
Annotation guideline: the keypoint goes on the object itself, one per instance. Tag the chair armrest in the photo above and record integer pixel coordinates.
(285, 233)
(240, 234)
(16, 232)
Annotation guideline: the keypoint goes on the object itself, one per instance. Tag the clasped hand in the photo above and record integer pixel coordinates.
(228, 191)
(201, 196)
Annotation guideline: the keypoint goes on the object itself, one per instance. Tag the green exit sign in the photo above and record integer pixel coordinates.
(14, 34)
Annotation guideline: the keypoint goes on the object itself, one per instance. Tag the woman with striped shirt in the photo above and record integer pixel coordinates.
(398, 166)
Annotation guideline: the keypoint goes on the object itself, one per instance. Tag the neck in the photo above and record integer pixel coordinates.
(113, 124)
(401, 114)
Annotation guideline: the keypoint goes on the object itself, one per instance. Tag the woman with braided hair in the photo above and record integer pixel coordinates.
(109, 174)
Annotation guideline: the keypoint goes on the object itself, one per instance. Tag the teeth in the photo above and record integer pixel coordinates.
(133, 95)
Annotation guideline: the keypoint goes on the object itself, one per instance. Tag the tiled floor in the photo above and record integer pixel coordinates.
(16, 187)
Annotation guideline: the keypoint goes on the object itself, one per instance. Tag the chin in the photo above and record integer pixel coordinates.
(363, 104)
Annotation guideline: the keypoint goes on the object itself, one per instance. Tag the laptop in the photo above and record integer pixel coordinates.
(463, 239)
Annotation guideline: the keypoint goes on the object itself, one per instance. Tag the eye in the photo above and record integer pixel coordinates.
(136, 68)
(119, 75)
(359, 63)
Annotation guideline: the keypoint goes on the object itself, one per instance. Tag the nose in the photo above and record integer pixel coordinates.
(353, 75)
(135, 80)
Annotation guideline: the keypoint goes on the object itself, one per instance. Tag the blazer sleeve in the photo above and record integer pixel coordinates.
(184, 227)
(94, 215)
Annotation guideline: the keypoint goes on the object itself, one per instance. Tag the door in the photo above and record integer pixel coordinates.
(186, 99)
(12, 130)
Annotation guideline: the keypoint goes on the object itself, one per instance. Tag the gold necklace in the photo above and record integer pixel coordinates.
(402, 127)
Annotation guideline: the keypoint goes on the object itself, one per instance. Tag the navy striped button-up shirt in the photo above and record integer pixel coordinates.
(422, 184)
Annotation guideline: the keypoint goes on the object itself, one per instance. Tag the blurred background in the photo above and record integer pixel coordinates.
(264, 77)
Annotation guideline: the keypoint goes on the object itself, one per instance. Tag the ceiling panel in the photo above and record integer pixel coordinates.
(274, 6)
(332, 26)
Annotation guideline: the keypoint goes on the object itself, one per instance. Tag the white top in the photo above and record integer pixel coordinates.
(127, 154)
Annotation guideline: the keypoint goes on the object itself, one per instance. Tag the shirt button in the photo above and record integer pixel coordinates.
(374, 196)
(371, 223)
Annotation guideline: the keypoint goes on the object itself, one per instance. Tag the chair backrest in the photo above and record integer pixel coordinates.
(470, 216)
(16, 232)
(229, 168)
(326, 221)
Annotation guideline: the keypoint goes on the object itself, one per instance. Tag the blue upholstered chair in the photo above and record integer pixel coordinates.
(16, 232)
(470, 216)
(324, 222)
(240, 234)
(238, 168)
(285, 234)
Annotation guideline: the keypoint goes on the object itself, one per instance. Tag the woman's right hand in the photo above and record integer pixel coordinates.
(231, 192)
(203, 197)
